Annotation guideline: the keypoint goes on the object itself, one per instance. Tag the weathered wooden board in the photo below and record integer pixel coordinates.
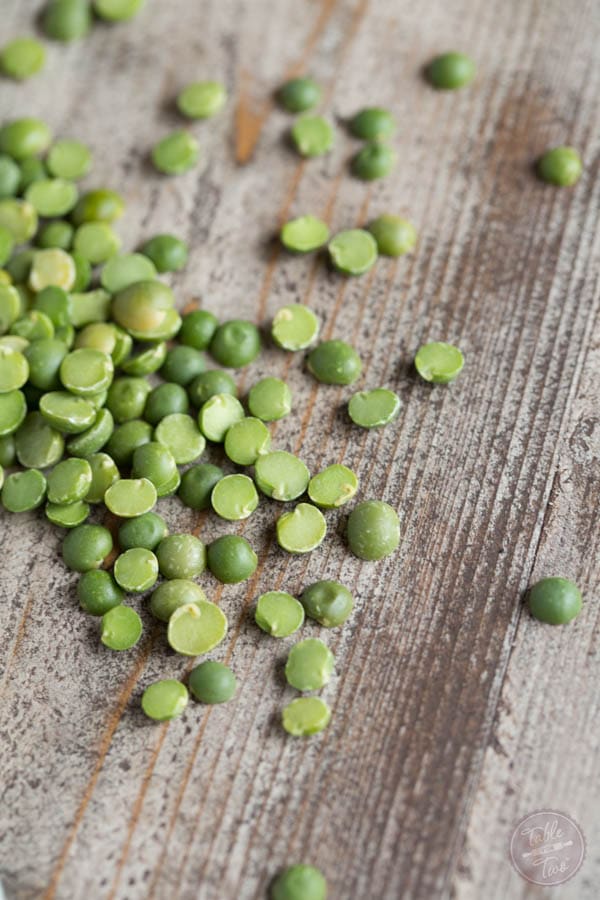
(454, 712)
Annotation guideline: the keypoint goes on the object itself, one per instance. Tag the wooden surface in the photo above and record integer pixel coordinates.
(454, 712)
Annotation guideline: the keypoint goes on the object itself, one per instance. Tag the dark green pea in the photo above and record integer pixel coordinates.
(168, 253)
(299, 95)
(231, 559)
(19, 266)
(165, 400)
(155, 462)
(55, 235)
(560, 166)
(23, 491)
(334, 362)
(10, 175)
(372, 124)
(299, 882)
(126, 438)
(86, 547)
(555, 600)
(181, 556)
(98, 206)
(450, 71)
(209, 384)
(197, 485)
(212, 682)
(8, 451)
(45, 357)
(235, 343)
(327, 602)
(67, 20)
(127, 397)
(93, 438)
(197, 329)
(182, 365)
(375, 160)
(97, 592)
(146, 531)
(373, 530)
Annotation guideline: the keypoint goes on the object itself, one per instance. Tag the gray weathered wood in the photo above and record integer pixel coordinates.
(440, 737)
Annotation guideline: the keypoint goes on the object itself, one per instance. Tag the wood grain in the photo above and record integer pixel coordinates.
(454, 712)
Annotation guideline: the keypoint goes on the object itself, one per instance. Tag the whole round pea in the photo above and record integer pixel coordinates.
(121, 628)
(372, 124)
(234, 497)
(147, 531)
(270, 399)
(182, 364)
(126, 438)
(67, 20)
(373, 530)
(130, 497)
(555, 600)
(299, 94)
(299, 882)
(212, 682)
(197, 328)
(117, 10)
(353, 252)
(58, 234)
(561, 166)
(372, 409)
(181, 556)
(375, 160)
(170, 595)
(450, 71)
(327, 602)
(438, 362)
(97, 592)
(278, 613)
(197, 485)
(100, 205)
(10, 175)
(127, 397)
(246, 440)
(8, 452)
(235, 343)
(334, 362)
(69, 481)
(312, 136)
(231, 559)
(86, 547)
(304, 234)
(143, 307)
(22, 58)
(196, 628)
(24, 137)
(176, 153)
(301, 530)
(155, 462)
(202, 99)
(136, 570)
(23, 491)
(165, 700)
(167, 252)
(394, 235)
(209, 384)
(165, 400)
(301, 718)
(281, 475)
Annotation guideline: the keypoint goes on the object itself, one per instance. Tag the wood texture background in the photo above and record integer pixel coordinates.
(454, 712)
